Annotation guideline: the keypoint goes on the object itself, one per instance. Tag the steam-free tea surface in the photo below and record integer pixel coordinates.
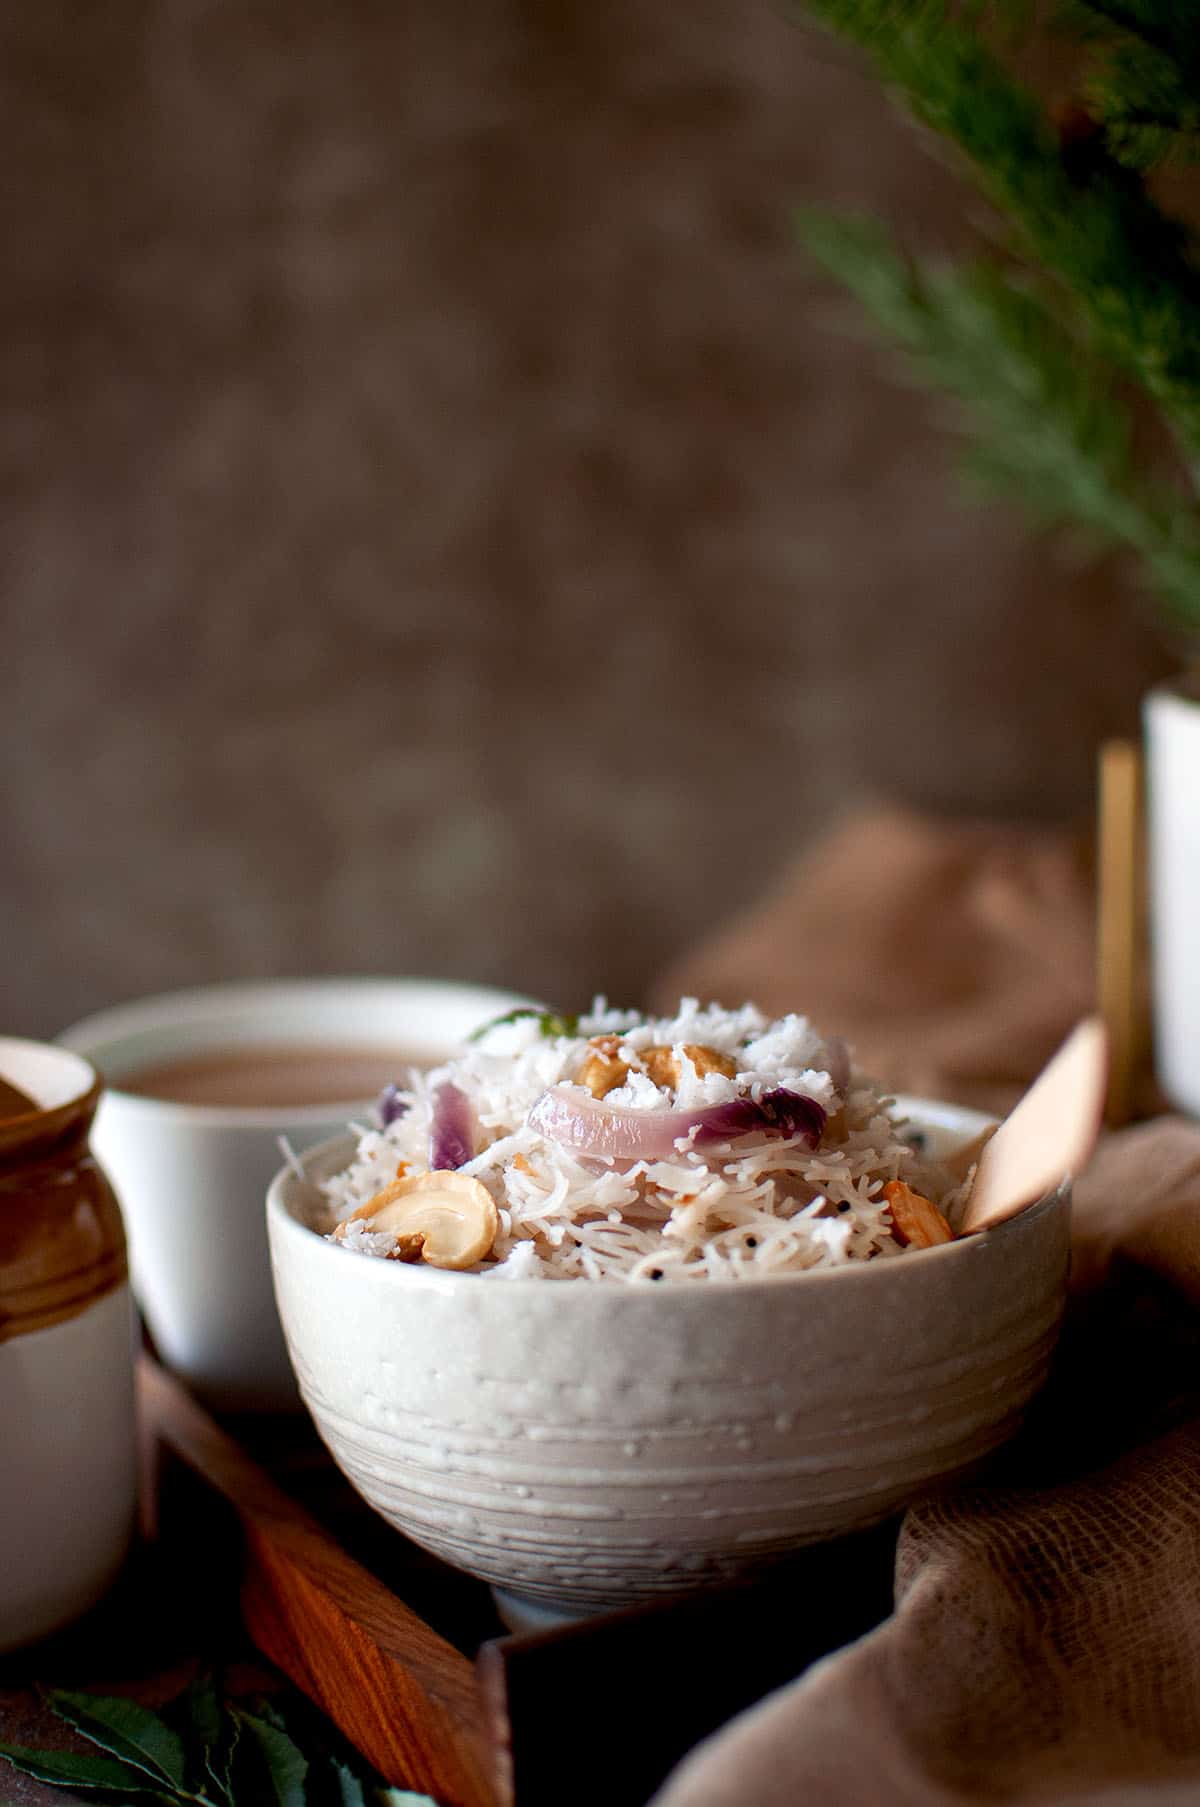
(277, 1075)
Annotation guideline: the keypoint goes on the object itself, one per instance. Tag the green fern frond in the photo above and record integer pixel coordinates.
(1096, 232)
(1169, 27)
(1142, 79)
(1038, 405)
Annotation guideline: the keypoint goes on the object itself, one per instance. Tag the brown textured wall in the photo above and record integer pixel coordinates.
(445, 528)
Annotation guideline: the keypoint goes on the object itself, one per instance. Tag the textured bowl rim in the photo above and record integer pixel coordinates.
(282, 1220)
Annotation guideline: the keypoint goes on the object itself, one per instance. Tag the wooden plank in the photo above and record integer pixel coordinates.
(1119, 922)
(402, 1695)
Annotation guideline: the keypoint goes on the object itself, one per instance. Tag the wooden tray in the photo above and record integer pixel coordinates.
(410, 1661)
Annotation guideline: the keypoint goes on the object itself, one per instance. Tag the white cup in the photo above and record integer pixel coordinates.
(1172, 717)
(191, 1178)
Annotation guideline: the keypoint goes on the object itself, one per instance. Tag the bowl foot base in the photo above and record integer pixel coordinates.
(522, 1614)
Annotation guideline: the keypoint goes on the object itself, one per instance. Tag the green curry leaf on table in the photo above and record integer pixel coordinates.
(200, 1752)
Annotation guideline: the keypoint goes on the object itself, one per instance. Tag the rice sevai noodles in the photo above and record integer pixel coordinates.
(711, 1145)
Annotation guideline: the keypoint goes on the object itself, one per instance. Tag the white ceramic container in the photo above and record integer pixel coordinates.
(1172, 722)
(67, 1467)
(586, 1446)
(191, 1177)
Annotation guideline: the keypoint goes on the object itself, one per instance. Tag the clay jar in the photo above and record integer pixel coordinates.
(67, 1458)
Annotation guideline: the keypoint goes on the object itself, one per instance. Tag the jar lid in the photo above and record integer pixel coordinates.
(45, 1094)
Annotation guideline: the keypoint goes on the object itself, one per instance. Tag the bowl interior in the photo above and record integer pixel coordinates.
(295, 1199)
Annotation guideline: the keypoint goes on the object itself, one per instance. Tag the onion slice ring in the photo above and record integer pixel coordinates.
(451, 1130)
(568, 1115)
(391, 1105)
(837, 1057)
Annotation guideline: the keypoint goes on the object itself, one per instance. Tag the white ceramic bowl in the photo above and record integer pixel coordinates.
(586, 1445)
(191, 1177)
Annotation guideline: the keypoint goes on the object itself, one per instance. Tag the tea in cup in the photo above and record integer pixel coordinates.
(202, 1087)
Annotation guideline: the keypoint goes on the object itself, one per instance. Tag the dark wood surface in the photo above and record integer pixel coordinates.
(402, 1693)
(255, 1547)
(171, 1615)
(613, 1704)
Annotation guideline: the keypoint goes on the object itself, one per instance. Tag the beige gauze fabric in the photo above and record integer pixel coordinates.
(1045, 1644)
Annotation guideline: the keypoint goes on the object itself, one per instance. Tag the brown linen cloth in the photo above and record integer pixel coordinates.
(1046, 1640)
(954, 957)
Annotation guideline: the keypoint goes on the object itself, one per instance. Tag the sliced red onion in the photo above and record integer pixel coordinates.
(590, 1127)
(391, 1105)
(837, 1056)
(452, 1131)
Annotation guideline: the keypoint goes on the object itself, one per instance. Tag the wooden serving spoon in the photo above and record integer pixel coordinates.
(1049, 1136)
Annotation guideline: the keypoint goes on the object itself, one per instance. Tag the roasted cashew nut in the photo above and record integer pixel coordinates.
(662, 1063)
(916, 1220)
(603, 1069)
(444, 1218)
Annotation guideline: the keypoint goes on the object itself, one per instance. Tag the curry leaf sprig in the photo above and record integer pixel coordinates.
(550, 1022)
(200, 1752)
